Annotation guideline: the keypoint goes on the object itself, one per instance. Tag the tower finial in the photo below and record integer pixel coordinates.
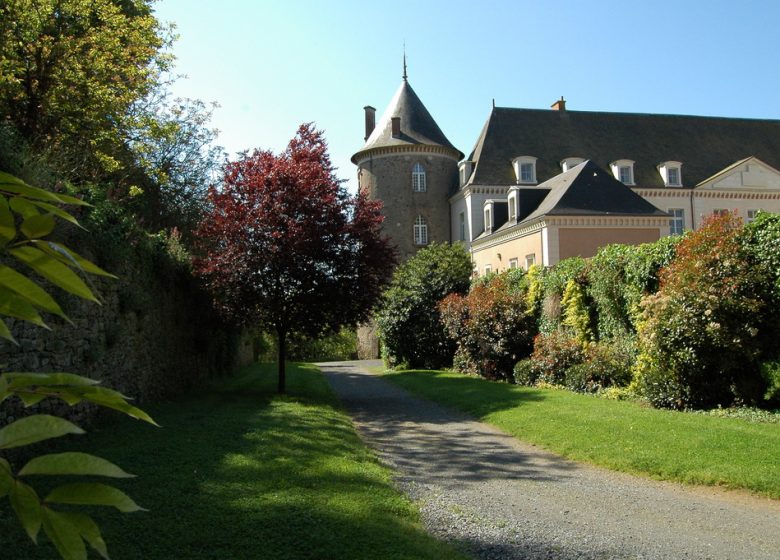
(404, 76)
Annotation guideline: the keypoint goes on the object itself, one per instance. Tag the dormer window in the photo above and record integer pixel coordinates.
(418, 178)
(623, 171)
(671, 173)
(525, 169)
(512, 202)
(488, 220)
(570, 163)
(464, 169)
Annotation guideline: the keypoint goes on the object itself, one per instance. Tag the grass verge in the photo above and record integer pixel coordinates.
(238, 472)
(619, 435)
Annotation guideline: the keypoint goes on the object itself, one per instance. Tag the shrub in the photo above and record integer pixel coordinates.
(618, 278)
(525, 372)
(553, 354)
(699, 334)
(408, 318)
(771, 374)
(553, 285)
(576, 313)
(490, 325)
(606, 365)
(338, 346)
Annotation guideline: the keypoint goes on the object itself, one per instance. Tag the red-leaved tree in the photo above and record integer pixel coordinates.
(285, 246)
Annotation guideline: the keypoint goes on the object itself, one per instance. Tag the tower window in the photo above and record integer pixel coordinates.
(463, 226)
(418, 178)
(420, 231)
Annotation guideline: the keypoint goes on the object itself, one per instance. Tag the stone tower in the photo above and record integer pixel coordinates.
(408, 164)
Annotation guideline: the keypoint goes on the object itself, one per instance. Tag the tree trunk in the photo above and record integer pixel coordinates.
(282, 336)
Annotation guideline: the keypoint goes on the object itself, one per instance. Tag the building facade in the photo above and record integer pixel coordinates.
(543, 185)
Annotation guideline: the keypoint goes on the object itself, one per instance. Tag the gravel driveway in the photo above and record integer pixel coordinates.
(496, 497)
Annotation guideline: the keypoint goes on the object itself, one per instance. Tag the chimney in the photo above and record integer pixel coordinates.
(370, 120)
(559, 105)
(396, 127)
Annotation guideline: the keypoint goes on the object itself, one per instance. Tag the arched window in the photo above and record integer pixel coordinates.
(420, 231)
(418, 178)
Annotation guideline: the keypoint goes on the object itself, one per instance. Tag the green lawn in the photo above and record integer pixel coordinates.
(620, 435)
(240, 473)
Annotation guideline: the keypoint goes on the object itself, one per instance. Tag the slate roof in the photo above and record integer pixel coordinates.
(417, 124)
(588, 190)
(704, 145)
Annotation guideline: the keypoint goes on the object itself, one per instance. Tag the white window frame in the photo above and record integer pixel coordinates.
(623, 164)
(720, 212)
(512, 204)
(420, 231)
(666, 169)
(530, 260)
(463, 226)
(419, 183)
(488, 220)
(677, 223)
(525, 165)
(570, 163)
(752, 214)
(488, 269)
(513, 263)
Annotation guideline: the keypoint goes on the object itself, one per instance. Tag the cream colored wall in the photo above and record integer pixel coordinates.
(706, 203)
(584, 242)
(514, 249)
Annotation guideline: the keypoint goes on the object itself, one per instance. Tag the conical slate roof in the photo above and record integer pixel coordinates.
(417, 124)
(588, 190)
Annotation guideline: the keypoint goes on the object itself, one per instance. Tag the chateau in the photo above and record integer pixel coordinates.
(543, 185)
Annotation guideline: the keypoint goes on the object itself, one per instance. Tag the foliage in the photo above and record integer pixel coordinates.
(699, 340)
(286, 247)
(620, 276)
(576, 315)
(490, 326)
(607, 364)
(620, 435)
(27, 217)
(524, 372)
(409, 319)
(69, 71)
(553, 354)
(338, 346)
(553, 285)
(771, 374)
(173, 145)
(761, 239)
(533, 297)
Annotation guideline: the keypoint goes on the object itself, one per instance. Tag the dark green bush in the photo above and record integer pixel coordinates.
(605, 365)
(408, 318)
(333, 347)
(525, 372)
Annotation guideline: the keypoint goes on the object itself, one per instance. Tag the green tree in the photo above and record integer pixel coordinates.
(409, 319)
(71, 69)
(27, 217)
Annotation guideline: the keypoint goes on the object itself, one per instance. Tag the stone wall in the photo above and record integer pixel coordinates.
(154, 336)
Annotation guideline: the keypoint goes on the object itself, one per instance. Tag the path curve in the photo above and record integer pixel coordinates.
(497, 497)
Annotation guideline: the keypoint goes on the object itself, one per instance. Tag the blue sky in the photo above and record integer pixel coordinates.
(274, 65)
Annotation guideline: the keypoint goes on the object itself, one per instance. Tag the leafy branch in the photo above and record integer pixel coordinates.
(27, 216)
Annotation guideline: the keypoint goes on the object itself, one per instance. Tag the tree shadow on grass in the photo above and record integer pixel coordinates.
(242, 474)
